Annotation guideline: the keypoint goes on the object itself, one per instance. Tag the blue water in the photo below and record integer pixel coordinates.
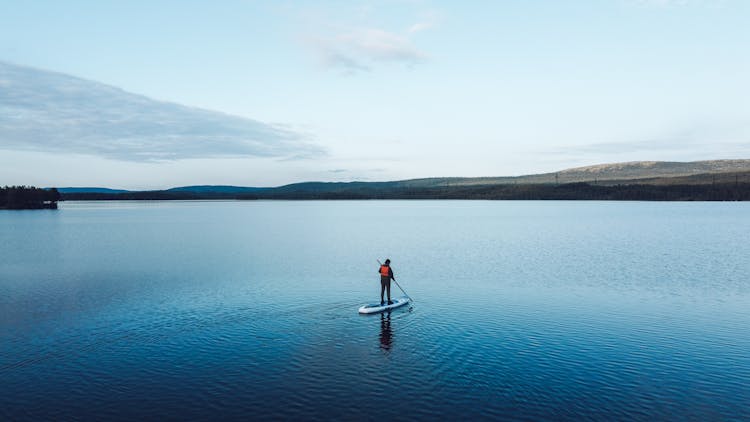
(248, 310)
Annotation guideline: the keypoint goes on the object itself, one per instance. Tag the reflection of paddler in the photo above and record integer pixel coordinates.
(386, 275)
(386, 337)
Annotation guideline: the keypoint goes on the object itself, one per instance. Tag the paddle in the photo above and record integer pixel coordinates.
(399, 286)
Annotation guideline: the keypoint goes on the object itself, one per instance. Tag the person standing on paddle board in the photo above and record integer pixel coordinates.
(386, 275)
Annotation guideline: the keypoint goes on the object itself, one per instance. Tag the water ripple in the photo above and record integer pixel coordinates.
(525, 311)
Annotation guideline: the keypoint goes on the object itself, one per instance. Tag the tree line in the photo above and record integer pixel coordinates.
(567, 191)
(28, 197)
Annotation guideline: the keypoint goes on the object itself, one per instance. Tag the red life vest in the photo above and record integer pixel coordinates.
(384, 271)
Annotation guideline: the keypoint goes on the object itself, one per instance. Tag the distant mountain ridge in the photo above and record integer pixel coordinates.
(90, 190)
(216, 188)
(621, 172)
(627, 173)
(651, 169)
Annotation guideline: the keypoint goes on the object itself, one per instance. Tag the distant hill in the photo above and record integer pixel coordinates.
(216, 189)
(190, 189)
(651, 169)
(693, 179)
(628, 172)
(90, 190)
(641, 180)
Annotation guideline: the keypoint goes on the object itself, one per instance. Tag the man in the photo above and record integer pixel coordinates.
(386, 275)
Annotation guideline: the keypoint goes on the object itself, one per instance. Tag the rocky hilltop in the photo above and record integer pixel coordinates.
(626, 173)
(651, 169)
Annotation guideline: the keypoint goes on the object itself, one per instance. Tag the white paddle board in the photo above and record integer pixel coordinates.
(375, 308)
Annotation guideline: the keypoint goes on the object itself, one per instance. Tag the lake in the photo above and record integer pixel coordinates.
(248, 310)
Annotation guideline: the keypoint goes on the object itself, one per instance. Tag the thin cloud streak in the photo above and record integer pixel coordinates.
(671, 149)
(627, 147)
(704, 137)
(359, 49)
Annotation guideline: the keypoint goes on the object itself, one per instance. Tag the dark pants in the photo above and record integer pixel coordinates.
(385, 284)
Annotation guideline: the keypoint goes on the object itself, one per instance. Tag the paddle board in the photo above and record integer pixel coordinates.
(375, 308)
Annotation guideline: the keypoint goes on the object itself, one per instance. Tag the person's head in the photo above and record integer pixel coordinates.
(387, 261)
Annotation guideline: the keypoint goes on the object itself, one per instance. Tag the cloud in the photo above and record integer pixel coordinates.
(359, 49)
(332, 58)
(53, 112)
(628, 147)
(362, 36)
(429, 19)
(419, 26)
(697, 143)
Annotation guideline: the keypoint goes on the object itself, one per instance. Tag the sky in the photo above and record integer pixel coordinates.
(155, 94)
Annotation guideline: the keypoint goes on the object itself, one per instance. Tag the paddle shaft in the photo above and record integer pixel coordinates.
(399, 286)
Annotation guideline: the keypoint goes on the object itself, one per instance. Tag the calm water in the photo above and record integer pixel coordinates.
(523, 310)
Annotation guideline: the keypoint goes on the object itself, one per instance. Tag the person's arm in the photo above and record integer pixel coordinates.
(390, 273)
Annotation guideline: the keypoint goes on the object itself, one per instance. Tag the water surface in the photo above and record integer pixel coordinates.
(523, 310)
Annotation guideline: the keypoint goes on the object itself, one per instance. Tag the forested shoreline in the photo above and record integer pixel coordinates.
(28, 197)
(569, 191)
